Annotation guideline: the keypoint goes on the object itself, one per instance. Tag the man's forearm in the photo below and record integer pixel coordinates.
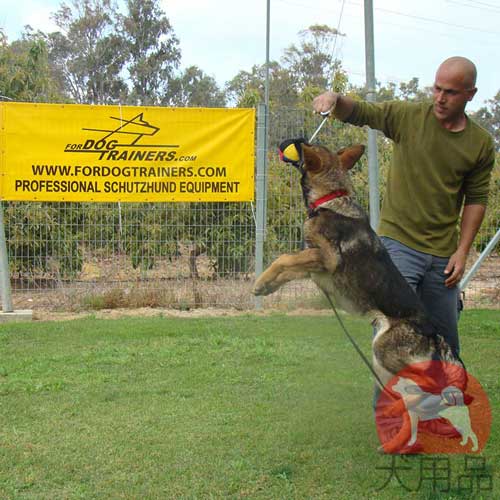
(472, 217)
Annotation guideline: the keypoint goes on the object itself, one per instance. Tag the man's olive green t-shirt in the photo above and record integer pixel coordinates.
(433, 172)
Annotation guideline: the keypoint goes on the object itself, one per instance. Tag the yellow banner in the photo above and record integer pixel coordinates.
(52, 152)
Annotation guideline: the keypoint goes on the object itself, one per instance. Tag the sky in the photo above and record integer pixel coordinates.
(412, 38)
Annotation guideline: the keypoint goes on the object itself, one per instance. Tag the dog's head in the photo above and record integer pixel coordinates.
(323, 171)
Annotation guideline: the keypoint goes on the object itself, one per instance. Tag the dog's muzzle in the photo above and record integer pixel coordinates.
(290, 151)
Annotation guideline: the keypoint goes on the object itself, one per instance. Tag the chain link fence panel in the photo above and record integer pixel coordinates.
(80, 256)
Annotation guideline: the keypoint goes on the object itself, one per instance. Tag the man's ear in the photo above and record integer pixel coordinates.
(311, 159)
(472, 93)
(349, 156)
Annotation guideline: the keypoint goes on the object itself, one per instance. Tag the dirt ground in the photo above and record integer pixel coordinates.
(148, 312)
(111, 288)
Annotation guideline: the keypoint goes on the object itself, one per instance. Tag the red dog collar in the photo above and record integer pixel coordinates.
(328, 197)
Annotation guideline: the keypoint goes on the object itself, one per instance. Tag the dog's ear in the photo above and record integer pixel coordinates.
(311, 158)
(349, 156)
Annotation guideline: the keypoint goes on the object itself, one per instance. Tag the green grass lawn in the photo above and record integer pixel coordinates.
(274, 407)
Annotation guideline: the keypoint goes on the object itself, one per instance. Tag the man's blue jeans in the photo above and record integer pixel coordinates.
(425, 274)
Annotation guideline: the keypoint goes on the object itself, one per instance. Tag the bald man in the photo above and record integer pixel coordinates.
(442, 161)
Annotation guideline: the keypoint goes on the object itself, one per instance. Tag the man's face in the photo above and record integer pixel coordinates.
(451, 94)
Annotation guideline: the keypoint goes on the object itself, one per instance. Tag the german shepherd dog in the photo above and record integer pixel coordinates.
(348, 262)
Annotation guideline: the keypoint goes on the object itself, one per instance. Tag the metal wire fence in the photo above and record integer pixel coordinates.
(77, 256)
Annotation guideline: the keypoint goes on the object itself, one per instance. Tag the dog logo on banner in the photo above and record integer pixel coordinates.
(127, 134)
(433, 407)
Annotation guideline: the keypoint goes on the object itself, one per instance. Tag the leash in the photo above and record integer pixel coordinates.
(355, 345)
(326, 114)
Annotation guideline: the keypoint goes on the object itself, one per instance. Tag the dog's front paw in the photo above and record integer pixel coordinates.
(262, 287)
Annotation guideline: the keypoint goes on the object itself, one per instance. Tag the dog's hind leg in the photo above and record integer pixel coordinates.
(472, 436)
(287, 268)
(414, 428)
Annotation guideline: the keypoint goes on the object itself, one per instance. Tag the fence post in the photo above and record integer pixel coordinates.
(473, 270)
(8, 313)
(372, 134)
(261, 193)
(4, 269)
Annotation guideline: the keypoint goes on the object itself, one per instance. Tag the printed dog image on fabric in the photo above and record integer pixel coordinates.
(433, 407)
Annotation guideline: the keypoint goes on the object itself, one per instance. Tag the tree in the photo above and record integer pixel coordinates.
(25, 71)
(194, 88)
(410, 91)
(87, 54)
(489, 117)
(246, 89)
(405, 91)
(246, 83)
(311, 62)
(304, 71)
(153, 51)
